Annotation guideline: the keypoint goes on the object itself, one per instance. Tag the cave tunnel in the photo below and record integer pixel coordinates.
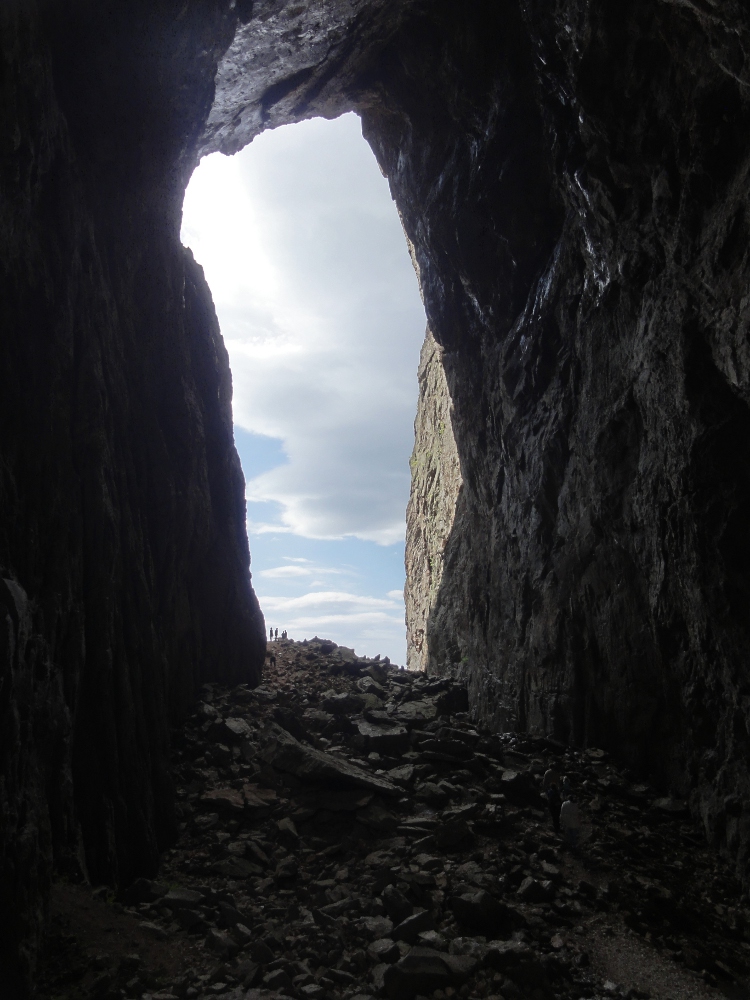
(573, 183)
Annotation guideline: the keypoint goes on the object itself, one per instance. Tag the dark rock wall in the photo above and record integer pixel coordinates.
(572, 177)
(122, 514)
(578, 203)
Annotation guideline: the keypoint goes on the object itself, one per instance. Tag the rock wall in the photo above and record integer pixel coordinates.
(123, 549)
(573, 179)
(594, 318)
(436, 482)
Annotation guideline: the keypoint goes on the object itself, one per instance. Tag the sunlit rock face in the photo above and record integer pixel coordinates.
(573, 179)
(436, 482)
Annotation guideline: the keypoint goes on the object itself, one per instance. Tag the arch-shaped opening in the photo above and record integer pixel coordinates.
(570, 177)
(319, 306)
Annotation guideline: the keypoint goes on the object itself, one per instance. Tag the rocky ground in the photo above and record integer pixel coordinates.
(347, 832)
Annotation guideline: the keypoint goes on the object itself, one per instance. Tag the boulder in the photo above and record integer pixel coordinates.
(410, 928)
(397, 906)
(223, 800)
(414, 714)
(384, 950)
(533, 891)
(343, 703)
(483, 913)
(503, 955)
(285, 753)
(389, 740)
(377, 818)
(419, 973)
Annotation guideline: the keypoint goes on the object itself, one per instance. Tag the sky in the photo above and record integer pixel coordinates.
(320, 311)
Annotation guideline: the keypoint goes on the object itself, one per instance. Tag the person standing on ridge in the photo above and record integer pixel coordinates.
(570, 820)
(554, 802)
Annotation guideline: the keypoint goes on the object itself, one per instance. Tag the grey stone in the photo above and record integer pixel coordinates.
(285, 753)
(411, 927)
(452, 832)
(397, 906)
(377, 818)
(377, 927)
(229, 916)
(153, 930)
(230, 731)
(389, 740)
(503, 955)
(403, 775)
(430, 792)
(414, 714)
(482, 912)
(343, 703)
(287, 830)
(313, 991)
(278, 980)
(384, 950)
(221, 943)
(192, 920)
(419, 973)
(261, 953)
(236, 868)
(532, 891)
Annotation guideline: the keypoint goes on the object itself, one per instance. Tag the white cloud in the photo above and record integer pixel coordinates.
(329, 598)
(397, 595)
(369, 624)
(299, 569)
(281, 572)
(321, 315)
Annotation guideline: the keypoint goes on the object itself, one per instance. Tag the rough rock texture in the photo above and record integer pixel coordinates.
(287, 881)
(594, 320)
(573, 180)
(436, 481)
(122, 517)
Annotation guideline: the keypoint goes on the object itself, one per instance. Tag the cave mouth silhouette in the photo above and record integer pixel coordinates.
(319, 307)
(573, 180)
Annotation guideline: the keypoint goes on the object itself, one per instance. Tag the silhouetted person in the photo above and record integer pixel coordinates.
(277, 633)
(272, 659)
(550, 778)
(570, 820)
(554, 802)
(283, 634)
(271, 633)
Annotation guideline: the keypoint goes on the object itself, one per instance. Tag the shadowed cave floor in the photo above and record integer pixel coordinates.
(347, 832)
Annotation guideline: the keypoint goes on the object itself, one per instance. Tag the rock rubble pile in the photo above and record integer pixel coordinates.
(346, 832)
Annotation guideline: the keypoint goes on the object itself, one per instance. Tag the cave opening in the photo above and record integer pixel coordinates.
(320, 311)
